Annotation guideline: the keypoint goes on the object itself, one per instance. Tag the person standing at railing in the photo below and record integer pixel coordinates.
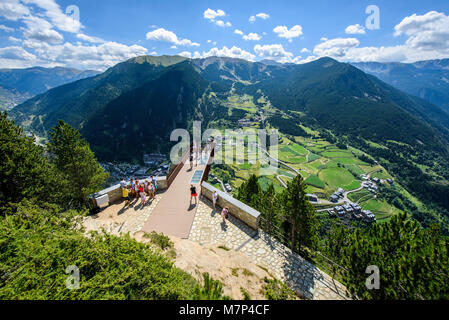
(214, 199)
(224, 214)
(145, 186)
(151, 190)
(136, 188)
(132, 187)
(153, 179)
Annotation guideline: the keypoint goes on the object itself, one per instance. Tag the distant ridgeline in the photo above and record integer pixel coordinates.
(131, 109)
(19, 85)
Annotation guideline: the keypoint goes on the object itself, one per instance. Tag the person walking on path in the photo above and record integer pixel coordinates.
(123, 184)
(193, 194)
(214, 199)
(224, 214)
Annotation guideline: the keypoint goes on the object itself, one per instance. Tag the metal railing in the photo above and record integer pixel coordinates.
(333, 269)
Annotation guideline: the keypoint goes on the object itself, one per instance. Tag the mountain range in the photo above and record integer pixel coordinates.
(132, 108)
(426, 79)
(19, 85)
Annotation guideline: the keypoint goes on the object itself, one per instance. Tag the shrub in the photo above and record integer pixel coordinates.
(277, 290)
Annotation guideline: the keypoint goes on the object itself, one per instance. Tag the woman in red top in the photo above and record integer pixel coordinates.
(142, 195)
(193, 194)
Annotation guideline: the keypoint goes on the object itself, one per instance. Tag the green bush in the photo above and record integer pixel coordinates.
(277, 290)
(159, 239)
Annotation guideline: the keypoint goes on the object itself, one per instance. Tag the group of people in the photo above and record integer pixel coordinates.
(224, 212)
(145, 190)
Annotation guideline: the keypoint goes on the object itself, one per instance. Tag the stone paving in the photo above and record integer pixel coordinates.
(117, 220)
(302, 276)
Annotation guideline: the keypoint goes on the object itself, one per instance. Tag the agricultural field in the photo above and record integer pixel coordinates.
(324, 167)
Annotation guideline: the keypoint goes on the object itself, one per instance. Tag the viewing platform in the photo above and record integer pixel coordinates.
(172, 214)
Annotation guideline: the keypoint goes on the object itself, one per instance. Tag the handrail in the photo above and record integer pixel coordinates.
(175, 170)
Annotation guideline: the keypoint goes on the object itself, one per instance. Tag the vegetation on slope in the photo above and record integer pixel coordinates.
(413, 262)
(42, 242)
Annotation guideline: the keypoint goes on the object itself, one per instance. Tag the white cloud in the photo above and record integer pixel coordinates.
(239, 32)
(305, 50)
(43, 45)
(335, 47)
(307, 60)
(284, 32)
(40, 29)
(168, 36)
(426, 32)
(210, 14)
(355, 29)
(262, 15)
(427, 38)
(221, 23)
(252, 37)
(84, 37)
(324, 39)
(186, 54)
(14, 39)
(275, 52)
(5, 28)
(98, 57)
(59, 19)
(13, 10)
(15, 53)
(234, 52)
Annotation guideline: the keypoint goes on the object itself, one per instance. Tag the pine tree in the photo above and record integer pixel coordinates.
(269, 208)
(249, 192)
(300, 213)
(24, 171)
(76, 162)
(413, 263)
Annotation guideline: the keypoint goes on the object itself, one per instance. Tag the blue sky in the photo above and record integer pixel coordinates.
(39, 32)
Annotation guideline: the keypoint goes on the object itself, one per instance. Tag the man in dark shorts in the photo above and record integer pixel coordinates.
(193, 194)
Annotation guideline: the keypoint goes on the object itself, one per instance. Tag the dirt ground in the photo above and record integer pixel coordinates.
(233, 269)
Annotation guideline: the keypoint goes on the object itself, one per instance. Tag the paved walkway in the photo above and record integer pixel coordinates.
(302, 276)
(174, 214)
(117, 219)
